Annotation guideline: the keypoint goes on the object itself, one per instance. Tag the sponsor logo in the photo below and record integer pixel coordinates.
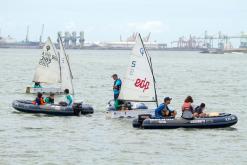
(162, 121)
(197, 121)
(143, 84)
(158, 121)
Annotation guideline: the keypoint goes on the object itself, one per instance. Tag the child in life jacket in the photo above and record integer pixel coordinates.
(187, 105)
(39, 99)
(187, 108)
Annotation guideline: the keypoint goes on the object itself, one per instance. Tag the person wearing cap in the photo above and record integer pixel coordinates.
(163, 110)
(116, 86)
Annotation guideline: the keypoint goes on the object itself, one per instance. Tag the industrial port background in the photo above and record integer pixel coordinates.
(209, 43)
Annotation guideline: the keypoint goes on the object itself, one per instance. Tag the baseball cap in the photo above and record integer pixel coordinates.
(167, 98)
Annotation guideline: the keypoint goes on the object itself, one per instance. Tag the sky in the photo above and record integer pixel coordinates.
(106, 20)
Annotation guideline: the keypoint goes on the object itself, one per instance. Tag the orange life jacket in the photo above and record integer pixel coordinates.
(42, 102)
(187, 106)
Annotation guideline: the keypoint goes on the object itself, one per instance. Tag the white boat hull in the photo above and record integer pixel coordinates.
(44, 90)
(128, 113)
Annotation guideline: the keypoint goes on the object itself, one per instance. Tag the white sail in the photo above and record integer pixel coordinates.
(66, 73)
(138, 85)
(48, 69)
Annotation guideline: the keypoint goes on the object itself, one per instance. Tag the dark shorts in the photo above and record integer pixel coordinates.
(199, 111)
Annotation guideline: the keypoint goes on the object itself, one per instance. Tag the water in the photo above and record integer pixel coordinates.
(218, 80)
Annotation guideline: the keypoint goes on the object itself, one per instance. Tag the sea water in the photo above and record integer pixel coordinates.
(219, 80)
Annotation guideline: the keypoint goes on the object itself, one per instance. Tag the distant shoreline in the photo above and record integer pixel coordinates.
(101, 48)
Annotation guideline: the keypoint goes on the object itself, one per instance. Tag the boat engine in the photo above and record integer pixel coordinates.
(77, 108)
(137, 123)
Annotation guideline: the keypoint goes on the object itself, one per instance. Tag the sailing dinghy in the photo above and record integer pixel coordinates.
(138, 85)
(53, 70)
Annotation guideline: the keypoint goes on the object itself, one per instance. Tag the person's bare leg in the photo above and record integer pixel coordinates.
(202, 114)
(195, 114)
(174, 113)
(167, 113)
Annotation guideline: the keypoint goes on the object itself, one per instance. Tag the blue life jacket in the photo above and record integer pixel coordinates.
(159, 109)
(118, 84)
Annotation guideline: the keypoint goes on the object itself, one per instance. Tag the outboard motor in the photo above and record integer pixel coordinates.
(77, 108)
(138, 122)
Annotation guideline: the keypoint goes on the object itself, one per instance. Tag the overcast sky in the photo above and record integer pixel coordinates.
(105, 20)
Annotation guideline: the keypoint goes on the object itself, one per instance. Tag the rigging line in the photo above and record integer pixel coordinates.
(150, 65)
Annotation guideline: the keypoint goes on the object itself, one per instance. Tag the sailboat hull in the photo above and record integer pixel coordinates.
(32, 90)
(136, 109)
(128, 113)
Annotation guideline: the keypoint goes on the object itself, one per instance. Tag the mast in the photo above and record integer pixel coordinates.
(151, 68)
(41, 34)
(27, 35)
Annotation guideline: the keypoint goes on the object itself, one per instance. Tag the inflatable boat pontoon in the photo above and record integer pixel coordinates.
(52, 109)
(222, 120)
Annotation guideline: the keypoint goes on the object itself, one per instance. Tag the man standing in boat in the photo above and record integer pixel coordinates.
(116, 86)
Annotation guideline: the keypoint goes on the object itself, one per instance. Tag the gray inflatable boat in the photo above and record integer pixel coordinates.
(146, 121)
(52, 109)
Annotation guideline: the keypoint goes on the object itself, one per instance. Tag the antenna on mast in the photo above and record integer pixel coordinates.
(27, 36)
(41, 34)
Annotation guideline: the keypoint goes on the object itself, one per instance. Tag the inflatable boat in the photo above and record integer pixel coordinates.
(221, 120)
(52, 109)
(133, 110)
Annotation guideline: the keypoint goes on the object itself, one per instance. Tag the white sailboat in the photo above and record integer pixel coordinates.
(138, 84)
(53, 70)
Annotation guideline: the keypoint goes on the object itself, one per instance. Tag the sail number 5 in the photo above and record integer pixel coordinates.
(133, 65)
